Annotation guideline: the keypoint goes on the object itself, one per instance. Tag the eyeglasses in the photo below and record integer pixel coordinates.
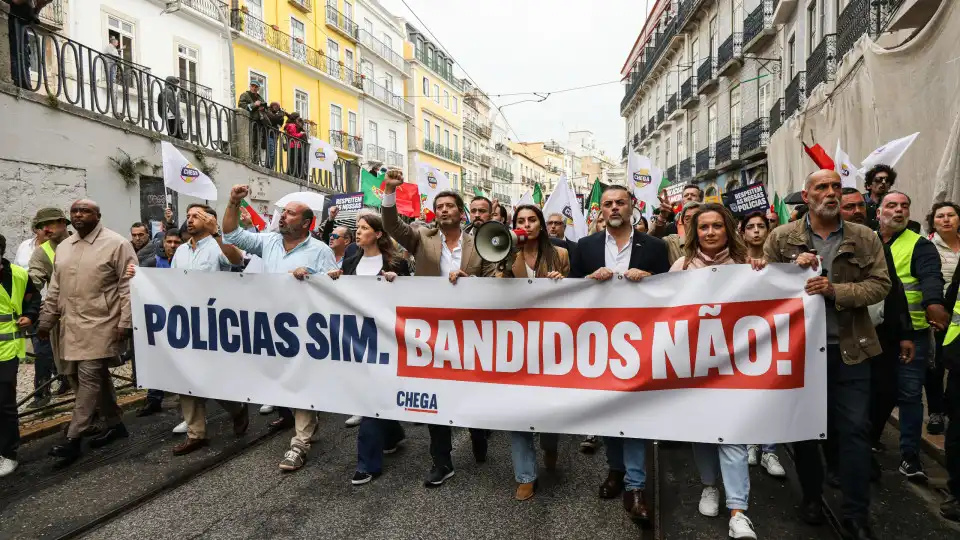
(334, 236)
(882, 180)
(554, 223)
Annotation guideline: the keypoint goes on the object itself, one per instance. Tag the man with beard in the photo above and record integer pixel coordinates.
(442, 251)
(89, 296)
(854, 276)
(292, 250)
(142, 244)
(621, 250)
(557, 229)
(660, 226)
(917, 263)
(880, 179)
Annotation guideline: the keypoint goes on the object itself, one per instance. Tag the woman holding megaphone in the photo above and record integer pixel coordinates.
(536, 258)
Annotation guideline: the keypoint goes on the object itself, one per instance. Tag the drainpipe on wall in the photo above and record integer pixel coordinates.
(232, 83)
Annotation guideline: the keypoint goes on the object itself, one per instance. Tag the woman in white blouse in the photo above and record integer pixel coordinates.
(943, 221)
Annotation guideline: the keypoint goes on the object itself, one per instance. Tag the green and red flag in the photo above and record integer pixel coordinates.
(255, 218)
(593, 205)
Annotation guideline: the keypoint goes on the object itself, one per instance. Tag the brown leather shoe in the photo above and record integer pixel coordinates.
(550, 459)
(612, 486)
(526, 491)
(189, 445)
(635, 507)
(241, 423)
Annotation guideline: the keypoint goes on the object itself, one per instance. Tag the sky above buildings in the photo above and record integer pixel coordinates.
(516, 46)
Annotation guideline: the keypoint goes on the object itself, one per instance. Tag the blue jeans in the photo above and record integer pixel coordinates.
(375, 434)
(524, 453)
(628, 456)
(271, 149)
(910, 379)
(730, 462)
(768, 448)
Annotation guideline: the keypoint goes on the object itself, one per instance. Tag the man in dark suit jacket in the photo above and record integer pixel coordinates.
(621, 250)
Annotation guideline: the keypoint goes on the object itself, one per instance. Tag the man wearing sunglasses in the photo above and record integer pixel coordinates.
(339, 238)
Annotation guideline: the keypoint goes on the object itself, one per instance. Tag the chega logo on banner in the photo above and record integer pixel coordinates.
(421, 402)
(189, 173)
(642, 178)
(320, 154)
(432, 180)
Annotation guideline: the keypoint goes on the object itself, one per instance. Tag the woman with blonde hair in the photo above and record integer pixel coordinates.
(712, 240)
(538, 258)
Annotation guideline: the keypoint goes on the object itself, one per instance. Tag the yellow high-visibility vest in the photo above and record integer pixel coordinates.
(902, 251)
(12, 344)
(47, 248)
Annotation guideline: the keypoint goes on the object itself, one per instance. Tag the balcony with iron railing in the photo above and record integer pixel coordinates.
(376, 153)
(706, 163)
(672, 106)
(342, 24)
(661, 115)
(685, 170)
(822, 63)
(636, 140)
(471, 156)
(503, 148)
(730, 54)
(381, 49)
(554, 147)
(754, 137)
(776, 116)
(853, 22)
(652, 127)
(630, 89)
(485, 160)
(728, 152)
(672, 173)
(441, 151)
(388, 98)
(394, 159)
(689, 98)
(270, 36)
(440, 68)
(482, 129)
(795, 95)
(52, 15)
(502, 174)
(707, 75)
(341, 140)
(305, 6)
(758, 27)
(643, 133)
(203, 91)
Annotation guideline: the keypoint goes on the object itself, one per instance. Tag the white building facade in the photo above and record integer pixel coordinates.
(383, 110)
(477, 133)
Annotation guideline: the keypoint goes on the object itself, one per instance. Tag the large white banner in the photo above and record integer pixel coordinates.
(720, 354)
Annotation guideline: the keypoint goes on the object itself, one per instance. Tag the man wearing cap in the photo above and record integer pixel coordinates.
(252, 102)
(53, 224)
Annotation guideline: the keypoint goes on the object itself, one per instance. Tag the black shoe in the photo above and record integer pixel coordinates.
(833, 479)
(151, 407)
(62, 387)
(361, 478)
(811, 513)
(396, 446)
(109, 435)
(875, 469)
(937, 424)
(878, 447)
(39, 401)
(480, 449)
(590, 444)
(68, 452)
(857, 530)
(950, 509)
(438, 474)
(912, 468)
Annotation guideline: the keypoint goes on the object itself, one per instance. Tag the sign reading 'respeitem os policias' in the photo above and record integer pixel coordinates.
(658, 357)
(675, 192)
(742, 201)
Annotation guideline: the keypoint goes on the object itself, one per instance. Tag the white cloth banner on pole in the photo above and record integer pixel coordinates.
(890, 153)
(322, 155)
(646, 180)
(526, 198)
(430, 181)
(849, 175)
(563, 201)
(668, 358)
(181, 176)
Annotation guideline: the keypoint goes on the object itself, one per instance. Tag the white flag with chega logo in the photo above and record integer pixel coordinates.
(322, 155)
(183, 177)
(430, 181)
(564, 201)
(890, 153)
(849, 175)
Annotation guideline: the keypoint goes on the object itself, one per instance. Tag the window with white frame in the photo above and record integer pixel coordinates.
(187, 60)
(124, 31)
(426, 130)
(352, 124)
(388, 82)
(366, 69)
(262, 79)
(735, 111)
(666, 152)
(712, 123)
(372, 135)
(436, 131)
(713, 36)
(392, 140)
(348, 10)
(426, 87)
(791, 57)
(456, 143)
(348, 58)
(695, 53)
(736, 13)
(694, 135)
(368, 26)
(298, 39)
(446, 138)
(436, 93)
(812, 22)
(301, 103)
(388, 41)
(764, 97)
(446, 100)
(681, 151)
(336, 118)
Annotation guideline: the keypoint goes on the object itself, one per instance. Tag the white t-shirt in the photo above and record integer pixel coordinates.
(531, 273)
(24, 252)
(370, 266)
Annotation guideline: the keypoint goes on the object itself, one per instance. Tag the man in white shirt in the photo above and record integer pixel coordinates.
(619, 249)
(25, 249)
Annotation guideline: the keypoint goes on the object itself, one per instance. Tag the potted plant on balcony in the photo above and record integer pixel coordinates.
(275, 27)
(299, 40)
(244, 9)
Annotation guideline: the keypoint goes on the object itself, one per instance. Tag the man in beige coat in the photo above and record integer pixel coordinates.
(90, 297)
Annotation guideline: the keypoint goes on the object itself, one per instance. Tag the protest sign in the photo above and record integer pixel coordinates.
(742, 201)
(668, 358)
(675, 192)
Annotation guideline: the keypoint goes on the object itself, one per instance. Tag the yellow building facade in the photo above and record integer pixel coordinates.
(436, 135)
(304, 53)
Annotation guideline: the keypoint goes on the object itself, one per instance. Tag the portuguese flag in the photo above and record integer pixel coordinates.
(258, 221)
(593, 205)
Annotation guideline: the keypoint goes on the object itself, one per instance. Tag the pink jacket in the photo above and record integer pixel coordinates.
(702, 261)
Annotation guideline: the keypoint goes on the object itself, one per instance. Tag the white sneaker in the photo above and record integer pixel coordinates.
(741, 527)
(181, 428)
(7, 466)
(710, 502)
(353, 421)
(753, 452)
(772, 464)
(266, 409)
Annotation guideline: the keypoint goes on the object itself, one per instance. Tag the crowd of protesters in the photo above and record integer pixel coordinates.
(890, 296)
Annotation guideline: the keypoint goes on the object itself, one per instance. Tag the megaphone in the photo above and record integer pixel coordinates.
(495, 241)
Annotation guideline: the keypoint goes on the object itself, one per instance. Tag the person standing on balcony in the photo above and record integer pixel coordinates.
(295, 134)
(111, 53)
(253, 103)
(275, 116)
(169, 105)
(22, 14)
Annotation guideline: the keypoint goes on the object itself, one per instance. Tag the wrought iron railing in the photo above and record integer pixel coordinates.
(688, 90)
(822, 63)
(386, 97)
(672, 173)
(758, 20)
(685, 169)
(651, 125)
(672, 103)
(345, 141)
(854, 22)
(482, 130)
(394, 159)
(795, 95)
(381, 49)
(755, 135)
(661, 114)
(376, 153)
(776, 116)
(643, 132)
(500, 147)
(203, 91)
(52, 14)
(730, 50)
(305, 5)
(215, 9)
(705, 160)
(636, 140)
(439, 68)
(633, 84)
(109, 86)
(707, 71)
(885, 10)
(728, 149)
(502, 174)
(470, 155)
(485, 160)
(342, 23)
